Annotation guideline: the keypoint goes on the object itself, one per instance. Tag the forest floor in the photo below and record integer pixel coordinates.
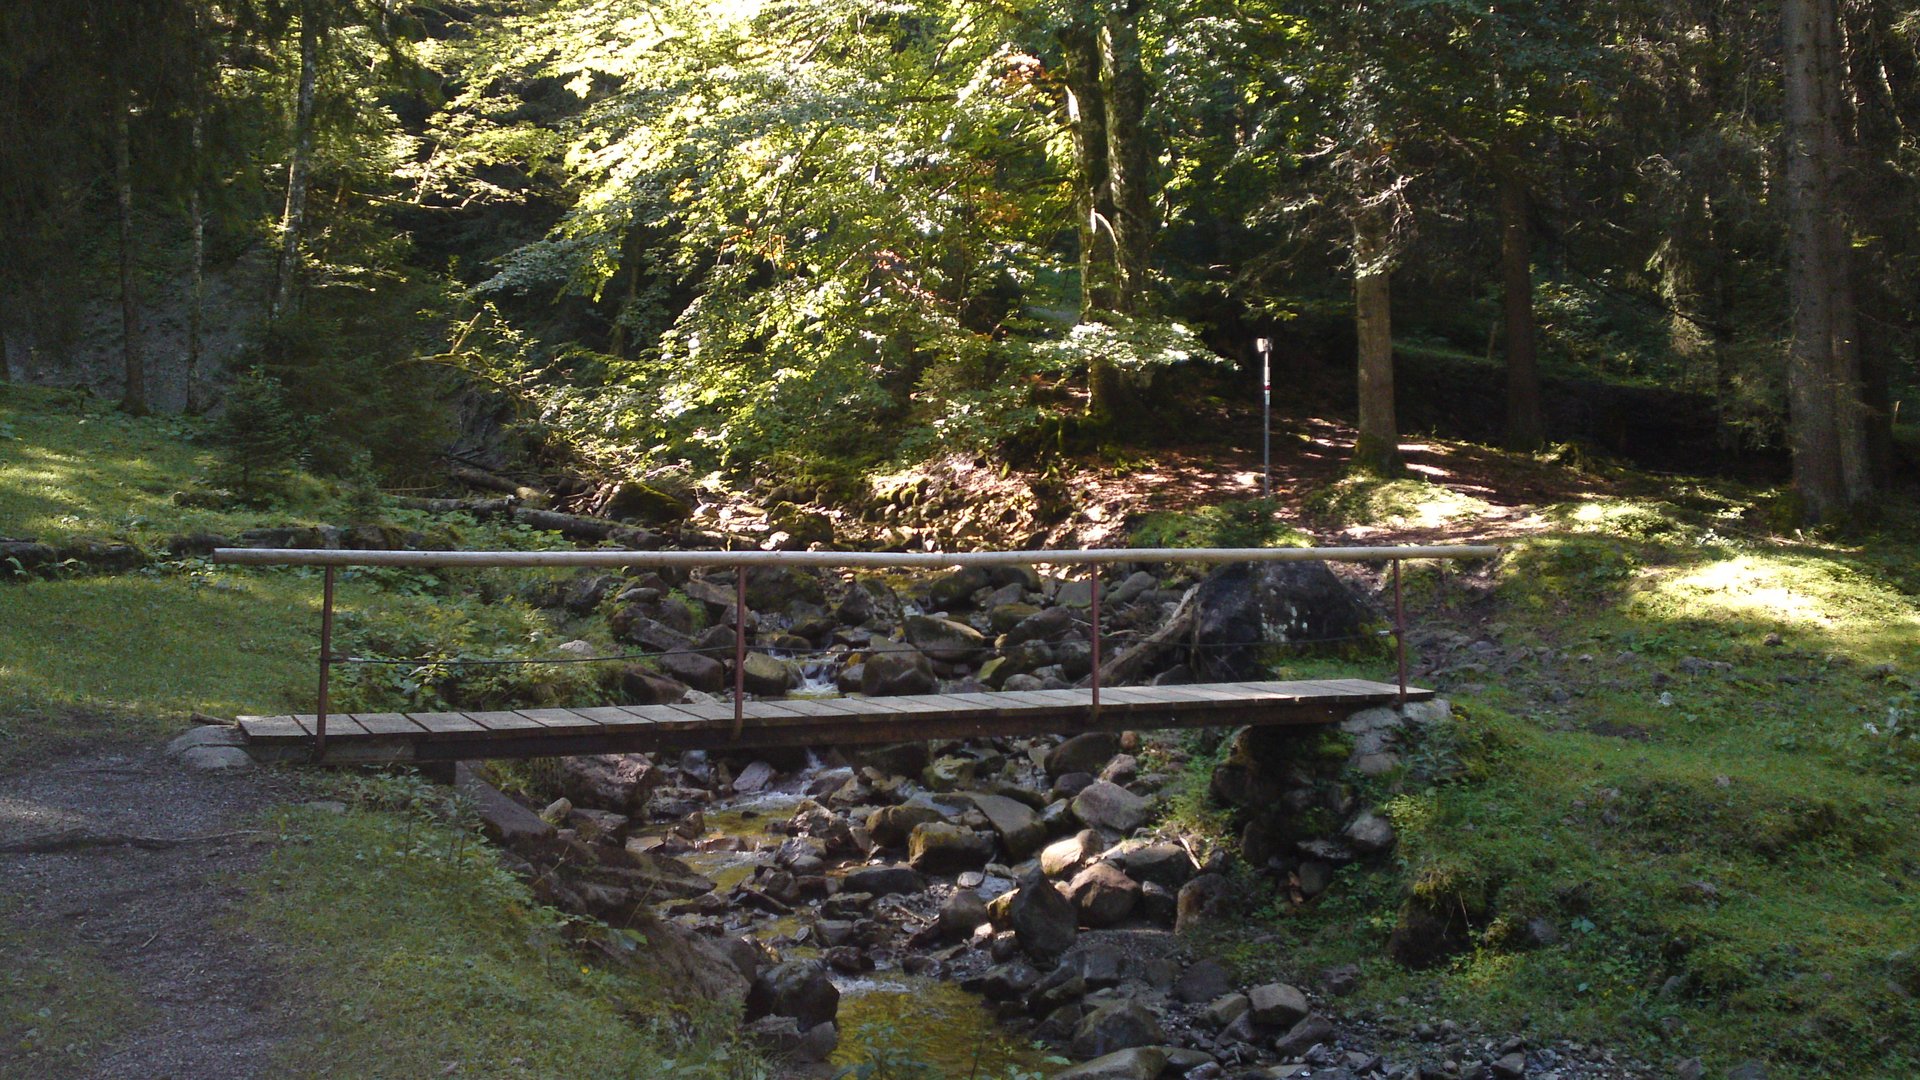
(1686, 741)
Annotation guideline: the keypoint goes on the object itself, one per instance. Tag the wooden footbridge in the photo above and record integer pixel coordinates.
(436, 737)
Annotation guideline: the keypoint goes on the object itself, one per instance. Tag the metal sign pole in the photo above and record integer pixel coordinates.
(1265, 345)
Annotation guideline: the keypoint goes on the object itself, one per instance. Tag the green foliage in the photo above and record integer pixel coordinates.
(424, 949)
(259, 434)
(1246, 523)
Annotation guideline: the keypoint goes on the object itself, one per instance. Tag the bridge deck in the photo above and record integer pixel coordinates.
(452, 736)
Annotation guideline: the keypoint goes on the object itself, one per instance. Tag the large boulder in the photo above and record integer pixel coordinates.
(801, 989)
(1045, 626)
(1043, 921)
(661, 877)
(617, 782)
(766, 676)
(698, 670)
(1103, 805)
(1063, 857)
(956, 590)
(1102, 895)
(1203, 903)
(1136, 1063)
(1087, 752)
(1243, 608)
(940, 847)
(884, 880)
(944, 639)
(1019, 827)
(894, 668)
(891, 825)
(1120, 1025)
(1276, 1005)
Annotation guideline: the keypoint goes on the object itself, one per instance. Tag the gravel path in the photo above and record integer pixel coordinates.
(79, 865)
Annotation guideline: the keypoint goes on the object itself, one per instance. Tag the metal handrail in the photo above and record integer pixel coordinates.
(330, 560)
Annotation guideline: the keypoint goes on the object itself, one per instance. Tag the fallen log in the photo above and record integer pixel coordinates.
(1128, 665)
(587, 529)
(491, 481)
(476, 507)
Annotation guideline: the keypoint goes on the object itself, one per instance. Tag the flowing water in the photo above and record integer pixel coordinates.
(912, 1026)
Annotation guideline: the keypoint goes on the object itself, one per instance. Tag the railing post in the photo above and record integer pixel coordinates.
(1094, 614)
(739, 649)
(326, 663)
(1400, 630)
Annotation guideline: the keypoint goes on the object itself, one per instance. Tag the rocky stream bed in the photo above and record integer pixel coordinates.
(993, 904)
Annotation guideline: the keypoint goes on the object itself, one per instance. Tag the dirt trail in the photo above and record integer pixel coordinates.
(212, 1002)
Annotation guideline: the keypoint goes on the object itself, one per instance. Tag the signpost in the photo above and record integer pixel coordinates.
(1265, 348)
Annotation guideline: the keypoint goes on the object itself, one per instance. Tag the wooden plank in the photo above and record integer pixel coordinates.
(557, 718)
(506, 723)
(384, 724)
(269, 728)
(445, 723)
(338, 725)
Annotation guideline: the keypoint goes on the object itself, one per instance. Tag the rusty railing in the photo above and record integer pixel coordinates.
(743, 561)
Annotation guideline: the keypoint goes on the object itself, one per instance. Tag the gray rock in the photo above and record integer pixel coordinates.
(1019, 827)
(801, 989)
(944, 639)
(216, 758)
(617, 782)
(757, 775)
(698, 670)
(1245, 608)
(1063, 857)
(1129, 590)
(207, 736)
(1103, 895)
(940, 847)
(894, 668)
(1510, 1066)
(818, 1044)
(1046, 626)
(1136, 1063)
(1203, 902)
(1165, 863)
(1043, 921)
(1224, 1010)
(1023, 683)
(884, 881)
(1303, 1036)
(1276, 1005)
(1005, 982)
(1203, 981)
(891, 825)
(766, 676)
(1119, 1025)
(1087, 752)
(960, 914)
(1109, 806)
(1750, 1070)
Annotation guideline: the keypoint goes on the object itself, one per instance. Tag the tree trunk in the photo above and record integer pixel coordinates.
(1124, 82)
(134, 399)
(1849, 406)
(1087, 122)
(1377, 450)
(1526, 431)
(1812, 429)
(293, 219)
(197, 306)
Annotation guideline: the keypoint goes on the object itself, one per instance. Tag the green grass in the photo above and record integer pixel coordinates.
(427, 958)
(58, 1005)
(1729, 856)
(1248, 523)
